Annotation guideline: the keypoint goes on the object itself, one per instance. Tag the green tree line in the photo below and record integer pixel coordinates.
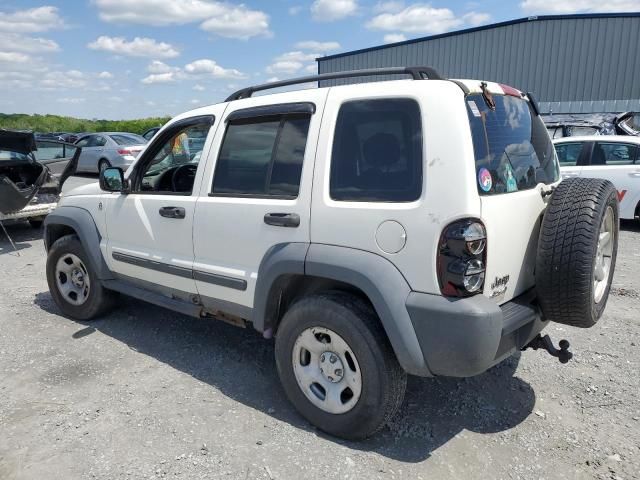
(57, 123)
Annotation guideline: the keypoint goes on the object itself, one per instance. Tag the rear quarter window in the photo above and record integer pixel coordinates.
(513, 150)
(377, 151)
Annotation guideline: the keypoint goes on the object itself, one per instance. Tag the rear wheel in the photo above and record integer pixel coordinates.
(103, 164)
(73, 284)
(337, 367)
(577, 251)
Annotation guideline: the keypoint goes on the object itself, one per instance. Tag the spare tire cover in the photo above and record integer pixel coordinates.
(577, 251)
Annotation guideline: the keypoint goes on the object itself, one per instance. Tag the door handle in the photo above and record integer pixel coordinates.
(282, 219)
(634, 174)
(172, 212)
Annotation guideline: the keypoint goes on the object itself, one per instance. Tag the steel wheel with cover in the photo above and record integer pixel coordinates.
(577, 251)
(336, 365)
(72, 282)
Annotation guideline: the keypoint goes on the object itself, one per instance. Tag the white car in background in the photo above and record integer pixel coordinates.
(612, 157)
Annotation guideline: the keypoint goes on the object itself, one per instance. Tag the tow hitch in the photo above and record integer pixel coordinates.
(563, 354)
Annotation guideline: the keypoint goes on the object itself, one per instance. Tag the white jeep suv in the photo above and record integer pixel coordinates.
(376, 230)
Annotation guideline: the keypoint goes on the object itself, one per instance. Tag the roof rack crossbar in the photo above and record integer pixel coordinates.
(417, 73)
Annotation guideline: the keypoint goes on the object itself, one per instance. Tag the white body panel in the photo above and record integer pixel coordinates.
(230, 237)
(447, 167)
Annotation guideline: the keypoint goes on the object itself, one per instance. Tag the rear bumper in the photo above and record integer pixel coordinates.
(464, 337)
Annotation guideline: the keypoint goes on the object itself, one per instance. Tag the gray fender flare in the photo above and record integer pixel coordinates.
(373, 274)
(81, 221)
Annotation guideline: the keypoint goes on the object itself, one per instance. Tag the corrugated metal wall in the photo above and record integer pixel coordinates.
(574, 64)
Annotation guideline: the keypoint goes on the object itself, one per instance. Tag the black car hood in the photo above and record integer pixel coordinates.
(17, 141)
(22, 177)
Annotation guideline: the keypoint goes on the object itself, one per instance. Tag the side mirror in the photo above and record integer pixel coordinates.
(112, 180)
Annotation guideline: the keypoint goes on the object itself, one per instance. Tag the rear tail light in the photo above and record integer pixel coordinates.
(462, 255)
(125, 151)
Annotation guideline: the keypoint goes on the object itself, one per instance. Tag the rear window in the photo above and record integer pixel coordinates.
(512, 147)
(128, 139)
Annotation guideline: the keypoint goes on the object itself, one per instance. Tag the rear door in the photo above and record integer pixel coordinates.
(569, 157)
(256, 192)
(515, 162)
(619, 163)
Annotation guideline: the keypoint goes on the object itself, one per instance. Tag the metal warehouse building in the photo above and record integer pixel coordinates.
(573, 63)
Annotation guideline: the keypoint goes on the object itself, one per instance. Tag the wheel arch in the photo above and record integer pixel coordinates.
(77, 221)
(292, 270)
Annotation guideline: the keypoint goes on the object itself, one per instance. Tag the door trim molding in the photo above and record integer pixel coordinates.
(184, 272)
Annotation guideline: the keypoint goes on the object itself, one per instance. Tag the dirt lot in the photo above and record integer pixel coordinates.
(146, 393)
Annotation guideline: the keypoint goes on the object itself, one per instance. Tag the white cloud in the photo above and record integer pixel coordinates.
(394, 37)
(40, 19)
(209, 67)
(238, 22)
(168, 77)
(295, 10)
(59, 79)
(390, 6)
(331, 10)
(14, 57)
(222, 18)
(576, 6)
(116, 99)
(157, 66)
(13, 42)
(105, 75)
(315, 46)
(422, 18)
(72, 100)
(284, 67)
(198, 88)
(475, 18)
(138, 47)
(311, 69)
(194, 101)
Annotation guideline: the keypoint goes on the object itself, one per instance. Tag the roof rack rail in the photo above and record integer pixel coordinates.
(417, 73)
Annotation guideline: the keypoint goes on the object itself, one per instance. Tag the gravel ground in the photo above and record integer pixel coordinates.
(146, 393)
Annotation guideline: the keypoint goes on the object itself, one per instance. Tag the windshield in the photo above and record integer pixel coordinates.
(130, 139)
(512, 147)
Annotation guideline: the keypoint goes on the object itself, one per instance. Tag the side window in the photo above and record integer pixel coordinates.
(613, 154)
(98, 141)
(377, 152)
(262, 157)
(84, 141)
(172, 169)
(568, 153)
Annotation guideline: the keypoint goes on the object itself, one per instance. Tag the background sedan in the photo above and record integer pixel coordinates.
(108, 149)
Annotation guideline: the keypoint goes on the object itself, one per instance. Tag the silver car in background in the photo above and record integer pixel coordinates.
(108, 149)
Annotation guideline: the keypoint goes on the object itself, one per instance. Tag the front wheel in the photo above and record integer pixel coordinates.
(337, 367)
(73, 284)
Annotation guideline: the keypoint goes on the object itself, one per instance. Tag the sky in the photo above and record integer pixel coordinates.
(122, 59)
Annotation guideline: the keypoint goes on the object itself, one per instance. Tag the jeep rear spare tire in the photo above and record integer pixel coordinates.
(577, 251)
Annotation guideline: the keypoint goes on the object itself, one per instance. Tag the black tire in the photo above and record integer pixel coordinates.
(103, 164)
(567, 250)
(383, 380)
(36, 222)
(99, 299)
